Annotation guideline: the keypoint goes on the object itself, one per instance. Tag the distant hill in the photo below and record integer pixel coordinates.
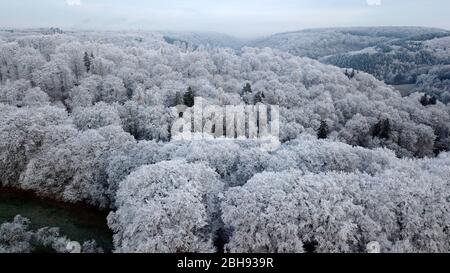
(396, 55)
(207, 39)
(317, 43)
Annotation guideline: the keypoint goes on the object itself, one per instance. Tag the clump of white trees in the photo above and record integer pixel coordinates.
(132, 86)
(87, 117)
(171, 206)
(404, 209)
(18, 237)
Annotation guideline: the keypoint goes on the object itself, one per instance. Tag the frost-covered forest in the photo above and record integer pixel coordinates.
(85, 117)
(396, 55)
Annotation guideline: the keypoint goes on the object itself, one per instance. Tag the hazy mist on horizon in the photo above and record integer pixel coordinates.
(247, 18)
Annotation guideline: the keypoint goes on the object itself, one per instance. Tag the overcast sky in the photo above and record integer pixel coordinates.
(235, 17)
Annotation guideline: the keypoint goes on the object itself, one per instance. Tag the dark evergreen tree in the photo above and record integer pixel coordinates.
(259, 97)
(385, 129)
(247, 89)
(424, 100)
(350, 75)
(432, 100)
(323, 131)
(382, 129)
(189, 98)
(87, 62)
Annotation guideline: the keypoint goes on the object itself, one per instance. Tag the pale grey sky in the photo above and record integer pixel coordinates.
(235, 17)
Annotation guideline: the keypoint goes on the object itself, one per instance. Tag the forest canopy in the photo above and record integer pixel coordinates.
(86, 117)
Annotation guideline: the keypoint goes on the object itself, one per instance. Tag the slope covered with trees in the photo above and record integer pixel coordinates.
(86, 117)
(322, 42)
(396, 55)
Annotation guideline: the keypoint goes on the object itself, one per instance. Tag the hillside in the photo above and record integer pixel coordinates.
(86, 117)
(396, 55)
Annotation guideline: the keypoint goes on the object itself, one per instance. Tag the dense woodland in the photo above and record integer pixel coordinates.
(396, 55)
(86, 116)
